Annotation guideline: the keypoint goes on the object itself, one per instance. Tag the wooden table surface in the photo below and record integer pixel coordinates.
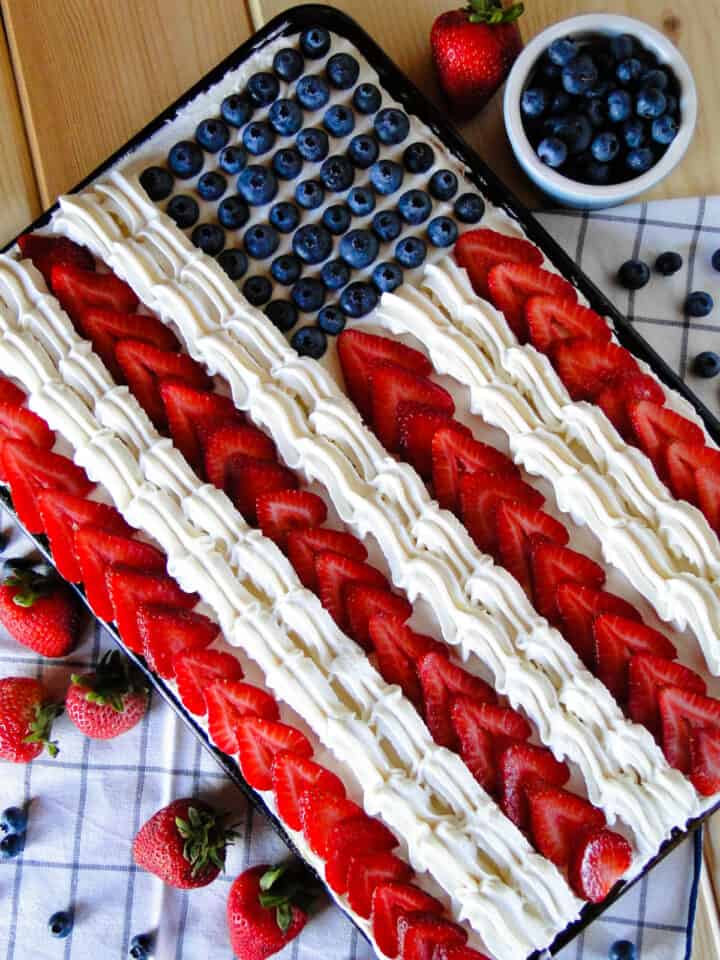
(78, 77)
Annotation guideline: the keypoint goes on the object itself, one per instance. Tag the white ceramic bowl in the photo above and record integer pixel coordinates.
(571, 193)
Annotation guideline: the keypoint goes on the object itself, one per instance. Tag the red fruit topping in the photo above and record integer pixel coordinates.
(9, 393)
(19, 423)
(441, 682)
(557, 818)
(259, 741)
(621, 392)
(392, 390)
(455, 452)
(398, 648)
(304, 545)
(587, 366)
(707, 480)
(167, 632)
(228, 702)
(367, 871)
(458, 953)
(105, 327)
(334, 574)
(648, 673)
(617, 639)
(705, 761)
(480, 250)
(480, 496)
(197, 670)
(518, 526)
(130, 588)
(553, 565)
(579, 605)
(655, 427)
(319, 813)
(421, 934)
(78, 288)
(511, 284)
(292, 775)
(47, 251)
(251, 478)
(226, 443)
(281, 512)
(362, 603)
(483, 730)
(523, 765)
(597, 863)
(418, 426)
(683, 713)
(550, 319)
(682, 461)
(390, 902)
(346, 838)
(192, 415)
(29, 469)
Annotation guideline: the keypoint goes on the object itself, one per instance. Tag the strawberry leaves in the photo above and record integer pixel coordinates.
(282, 888)
(204, 838)
(491, 11)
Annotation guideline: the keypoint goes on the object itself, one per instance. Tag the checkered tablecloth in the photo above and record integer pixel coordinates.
(87, 805)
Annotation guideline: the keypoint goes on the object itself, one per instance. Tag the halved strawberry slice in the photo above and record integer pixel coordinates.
(705, 761)
(166, 632)
(512, 284)
(681, 464)
(682, 712)
(367, 871)
(483, 729)
(646, 675)
(228, 702)
(282, 511)
(97, 549)
(517, 525)
(360, 352)
(597, 863)
(398, 648)
(557, 818)
(227, 442)
(105, 327)
(480, 250)
(392, 389)
(655, 427)
(30, 469)
(192, 415)
(45, 251)
(346, 838)
(9, 393)
(621, 392)
(455, 452)
(304, 545)
(418, 426)
(250, 478)
(617, 639)
(19, 423)
(335, 573)
(578, 606)
(441, 682)
(480, 495)
(390, 902)
(421, 934)
(259, 741)
(523, 765)
(197, 670)
(77, 288)
(707, 480)
(587, 366)
(552, 565)
(458, 953)
(319, 813)
(550, 319)
(129, 588)
(292, 775)
(363, 602)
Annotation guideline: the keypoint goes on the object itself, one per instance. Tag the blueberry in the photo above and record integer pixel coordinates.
(157, 182)
(600, 90)
(308, 294)
(335, 274)
(183, 210)
(312, 92)
(358, 248)
(552, 151)
(12, 846)
(141, 946)
(650, 103)
(622, 950)
(312, 243)
(597, 173)
(534, 102)
(418, 157)
(257, 185)
(715, 260)
(342, 71)
(605, 146)
(309, 342)
(579, 75)
(234, 263)
(386, 225)
(13, 820)
(315, 42)
(622, 46)
(282, 314)
(236, 109)
(442, 232)
(211, 185)
(575, 132)
(312, 144)
(706, 364)
(410, 251)
(628, 71)
(263, 88)
(232, 212)
(366, 98)
(309, 194)
(286, 269)
(284, 216)
(232, 159)
(664, 129)
(261, 241)
(361, 201)
(288, 64)
(562, 51)
(212, 134)
(285, 117)
(331, 320)
(633, 133)
(386, 176)
(469, 208)
(619, 105)
(668, 263)
(337, 173)
(185, 159)
(595, 112)
(358, 299)
(391, 125)
(414, 206)
(560, 103)
(258, 137)
(699, 304)
(363, 150)
(640, 160)
(287, 163)
(387, 276)
(257, 290)
(633, 274)
(655, 78)
(209, 237)
(339, 121)
(443, 185)
(60, 924)
(337, 218)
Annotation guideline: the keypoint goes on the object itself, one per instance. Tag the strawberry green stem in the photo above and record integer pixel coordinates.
(284, 887)
(110, 682)
(41, 726)
(205, 839)
(492, 12)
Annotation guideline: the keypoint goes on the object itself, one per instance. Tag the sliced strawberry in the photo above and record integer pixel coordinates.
(226, 443)
(319, 813)
(19, 423)
(705, 761)
(681, 461)
(97, 549)
(421, 934)
(250, 478)
(346, 838)
(193, 414)
(587, 366)
(30, 469)
(78, 288)
(105, 327)
(282, 511)
(45, 251)
(480, 250)
(390, 902)
(578, 606)
(655, 427)
(368, 870)
(292, 775)
(458, 953)
(304, 545)
(197, 670)
(480, 495)
(617, 639)
(259, 741)
(167, 632)
(550, 319)
(418, 426)
(517, 526)
(360, 352)
(682, 712)
(552, 565)
(9, 393)
(364, 602)
(707, 480)
(228, 702)
(335, 573)
(557, 817)
(511, 284)
(456, 452)
(392, 389)
(647, 673)
(597, 863)
(441, 681)
(398, 648)
(482, 729)
(129, 588)
(621, 392)
(523, 765)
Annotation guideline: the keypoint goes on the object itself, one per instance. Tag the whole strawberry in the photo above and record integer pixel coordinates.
(26, 717)
(266, 909)
(40, 612)
(107, 702)
(183, 844)
(473, 50)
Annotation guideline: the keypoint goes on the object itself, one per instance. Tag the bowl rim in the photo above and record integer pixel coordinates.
(557, 184)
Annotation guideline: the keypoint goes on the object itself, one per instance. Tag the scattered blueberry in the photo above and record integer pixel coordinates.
(12, 846)
(338, 120)
(337, 173)
(285, 269)
(331, 320)
(309, 194)
(668, 263)
(261, 241)
(157, 182)
(622, 950)
(257, 290)
(312, 143)
(211, 185)
(386, 225)
(387, 276)
(391, 125)
(579, 75)
(342, 71)
(410, 251)
(308, 294)
(706, 364)
(257, 185)
(141, 946)
(234, 263)
(699, 304)
(622, 46)
(315, 42)
(443, 185)
(258, 137)
(363, 150)
(312, 243)
(285, 117)
(60, 924)
(634, 133)
(282, 314)
(287, 163)
(337, 218)
(414, 206)
(442, 232)
(655, 78)
(208, 237)
(605, 147)
(236, 109)
(288, 64)
(640, 160)
(361, 201)
(232, 212)
(185, 159)
(309, 342)
(664, 129)
(534, 102)
(212, 135)
(358, 299)
(263, 88)
(232, 159)
(358, 248)
(562, 51)
(650, 103)
(366, 98)
(386, 176)
(633, 274)
(312, 92)
(335, 274)
(552, 151)
(715, 260)
(13, 820)
(418, 157)
(469, 208)
(183, 210)
(628, 71)
(619, 105)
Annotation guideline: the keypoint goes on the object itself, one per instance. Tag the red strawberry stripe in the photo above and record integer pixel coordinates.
(398, 648)
(655, 427)
(129, 588)
(483, 730)
(197, 670)
(78, 288)
(421, 934)
(283, 511)
(192, 414)
(681, 712)
(250, 478)
(647, 674)
(480, 250)
(320, 812)
(292, 775)
(335, 573)
(360, 352)
(367, 871)
(346, 838)
(259, 740)
(617, 640)
(304, 545)
(579, 606)
(705, 761)
(363, 602)
(707, 480)
(228, 701)
(418, 426)
(511, 284)
(19, 423)
(167, 632)
(455, 453)
(9, 393)
(621, 393)
(46, 251)
(551, 565)
(680, 464)
(557, 819)
(523, 765)
(550, 319)
(392, 390)
(441, 680)
(517, 526)
(597, 863)
(480, 495)
(105, 327)
(390, 902)
(587, 366)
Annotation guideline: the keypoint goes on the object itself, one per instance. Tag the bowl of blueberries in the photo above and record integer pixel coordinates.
(599, 108)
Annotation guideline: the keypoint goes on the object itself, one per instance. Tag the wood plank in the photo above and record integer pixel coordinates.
(93, 72)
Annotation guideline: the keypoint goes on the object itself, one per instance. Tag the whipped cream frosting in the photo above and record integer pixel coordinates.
(514, 898)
